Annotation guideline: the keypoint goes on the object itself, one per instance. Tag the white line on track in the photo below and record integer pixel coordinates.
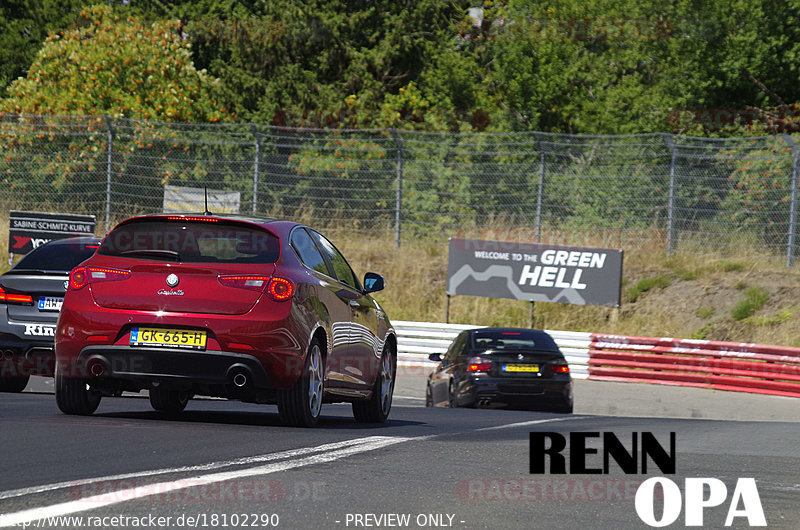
(293, 458)
(99, 501)
(185, 469)
(526, 423)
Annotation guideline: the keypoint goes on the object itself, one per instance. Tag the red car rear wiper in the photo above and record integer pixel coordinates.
(152, 253)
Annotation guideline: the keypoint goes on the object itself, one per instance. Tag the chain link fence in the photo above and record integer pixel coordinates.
(656, 191)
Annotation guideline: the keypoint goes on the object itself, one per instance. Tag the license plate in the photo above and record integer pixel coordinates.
(50, 303)
(521, 368)
(174, 338)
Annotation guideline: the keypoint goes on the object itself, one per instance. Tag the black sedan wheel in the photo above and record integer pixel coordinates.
(428, 396)
(13, 384)
(452, 402)
(564, 407)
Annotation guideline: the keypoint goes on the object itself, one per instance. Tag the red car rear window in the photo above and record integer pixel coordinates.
(191, 241)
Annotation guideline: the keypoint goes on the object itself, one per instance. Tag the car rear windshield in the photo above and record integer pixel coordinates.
(187, 241)
(61, 257)
(513, 340)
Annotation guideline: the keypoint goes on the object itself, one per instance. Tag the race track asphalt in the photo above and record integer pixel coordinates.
(233, 463)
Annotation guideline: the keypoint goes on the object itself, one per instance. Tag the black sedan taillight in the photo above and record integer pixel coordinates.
(559, 367)
(478, 364)
(14, 298)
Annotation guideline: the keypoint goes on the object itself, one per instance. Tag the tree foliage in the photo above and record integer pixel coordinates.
(577, 66)
(603, 67)
(593, 67)
(122, 67)
(286, 62)
(24, 25)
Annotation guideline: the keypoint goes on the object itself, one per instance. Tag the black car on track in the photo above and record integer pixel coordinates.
(484, 367)
(31, 294)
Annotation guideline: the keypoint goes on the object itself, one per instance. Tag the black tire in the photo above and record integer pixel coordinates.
(14, 384)
(376, 409)
(565, 407)
(73, 396)
(301, 405)
(451, 396)
(428, 396)
(168, 400)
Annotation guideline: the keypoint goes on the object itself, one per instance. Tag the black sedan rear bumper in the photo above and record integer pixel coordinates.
(20, 358)
(519, 391)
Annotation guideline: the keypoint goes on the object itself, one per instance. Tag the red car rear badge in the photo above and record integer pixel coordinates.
(172, 280)
(171, 292)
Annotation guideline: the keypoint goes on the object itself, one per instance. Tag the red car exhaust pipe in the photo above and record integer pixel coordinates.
(96, 367)
(239, 375)
(239, 380)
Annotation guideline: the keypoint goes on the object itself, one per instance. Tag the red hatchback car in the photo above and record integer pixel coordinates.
(262, 311)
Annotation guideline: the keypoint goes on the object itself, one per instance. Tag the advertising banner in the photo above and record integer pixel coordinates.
(180, 199)
(29, 230)
(534, 272)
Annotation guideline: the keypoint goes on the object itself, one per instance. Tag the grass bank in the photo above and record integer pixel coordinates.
(751, 298)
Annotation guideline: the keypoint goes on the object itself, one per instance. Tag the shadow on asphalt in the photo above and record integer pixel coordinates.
(260, 419)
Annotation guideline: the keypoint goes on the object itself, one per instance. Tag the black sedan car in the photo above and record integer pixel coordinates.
(31, 294)
(491, 366)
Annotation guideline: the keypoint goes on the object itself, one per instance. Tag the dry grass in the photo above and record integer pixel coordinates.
(697, 302)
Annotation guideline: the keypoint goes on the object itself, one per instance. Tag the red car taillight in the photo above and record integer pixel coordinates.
(78, 278)
(279, 289)
(14, 298)
(97, 274)
(476, 364)
(254, 283)
(83, 276)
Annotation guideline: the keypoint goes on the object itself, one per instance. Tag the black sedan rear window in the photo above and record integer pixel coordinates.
(62, 256)
(513, 340)
(192, 242)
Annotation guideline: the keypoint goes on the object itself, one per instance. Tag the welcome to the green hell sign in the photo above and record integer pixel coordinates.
(533, 272)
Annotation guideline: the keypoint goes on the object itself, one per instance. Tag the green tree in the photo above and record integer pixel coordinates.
(758, 188)
(24, 25)
(575, 66)
(122, 67)
(126, 68)
(294, 63)
(615, 67)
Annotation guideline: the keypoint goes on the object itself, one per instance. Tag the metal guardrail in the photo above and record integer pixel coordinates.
(417, 340)
(741, 367)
